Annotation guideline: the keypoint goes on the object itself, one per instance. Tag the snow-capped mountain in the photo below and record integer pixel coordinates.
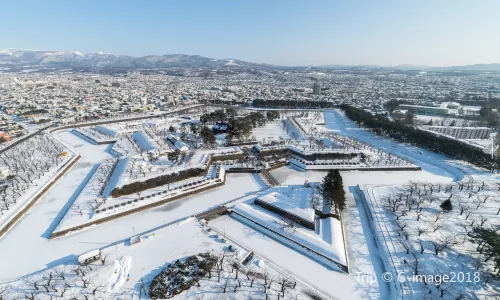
(98, 61)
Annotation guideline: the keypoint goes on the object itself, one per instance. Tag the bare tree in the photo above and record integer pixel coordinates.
(98, 287)
(4, 290)
(421, 231)
(477, 201)
(422, 248)
(401, 226)
(481, 220)
(437, 247)
(414, 264)
(405, 245)
(448, 241)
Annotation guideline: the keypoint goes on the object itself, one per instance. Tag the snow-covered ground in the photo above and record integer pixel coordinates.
(429, 161)
(37, 227)
(125, 266)
(295, 202)
(32, 166)
(30, 241)
(271, 131)
(429, 241)
(299, 235)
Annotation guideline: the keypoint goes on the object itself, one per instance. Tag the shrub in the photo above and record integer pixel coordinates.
(446, 205)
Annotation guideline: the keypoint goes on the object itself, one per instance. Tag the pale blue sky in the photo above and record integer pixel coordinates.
(314, 32)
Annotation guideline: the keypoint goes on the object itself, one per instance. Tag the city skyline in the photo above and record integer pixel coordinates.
(385, 33)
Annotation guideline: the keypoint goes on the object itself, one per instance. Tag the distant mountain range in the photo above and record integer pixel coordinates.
(476, 67)
(15, 59)
(19, 60)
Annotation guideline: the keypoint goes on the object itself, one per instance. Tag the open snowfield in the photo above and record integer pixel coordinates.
(271, 131)
(127, 265)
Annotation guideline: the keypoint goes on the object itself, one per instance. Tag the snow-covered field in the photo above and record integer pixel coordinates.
(271, 131)
(31, 167)
(424, 239)
(123, 268)
(168, 233)
(97, 134)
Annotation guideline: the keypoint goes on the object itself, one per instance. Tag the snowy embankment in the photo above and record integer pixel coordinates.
(89, 196)
(303, 237)
(292, 130)
(292, 200)
(201, 157)
(114, 208)
(94, 135)
(118, 172)
(143, 141)
(106, 130)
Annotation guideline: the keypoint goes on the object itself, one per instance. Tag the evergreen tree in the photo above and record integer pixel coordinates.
(339, 192)
(446, 205)
(328, 187)
(333, 190)
(193, 128)
(207, 136)
(174, 156)
(272, 115)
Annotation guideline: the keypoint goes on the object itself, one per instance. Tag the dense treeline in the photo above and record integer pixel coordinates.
(217, 116)
(239, 127)
(140, 186)
(391, 105)
(333, 190)
(408, 134)
(292, 103)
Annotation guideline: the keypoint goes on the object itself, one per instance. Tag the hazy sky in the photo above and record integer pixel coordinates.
(293, 32)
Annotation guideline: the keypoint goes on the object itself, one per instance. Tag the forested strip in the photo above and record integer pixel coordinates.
(140, 186)
(292, 103)
(407, 134)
